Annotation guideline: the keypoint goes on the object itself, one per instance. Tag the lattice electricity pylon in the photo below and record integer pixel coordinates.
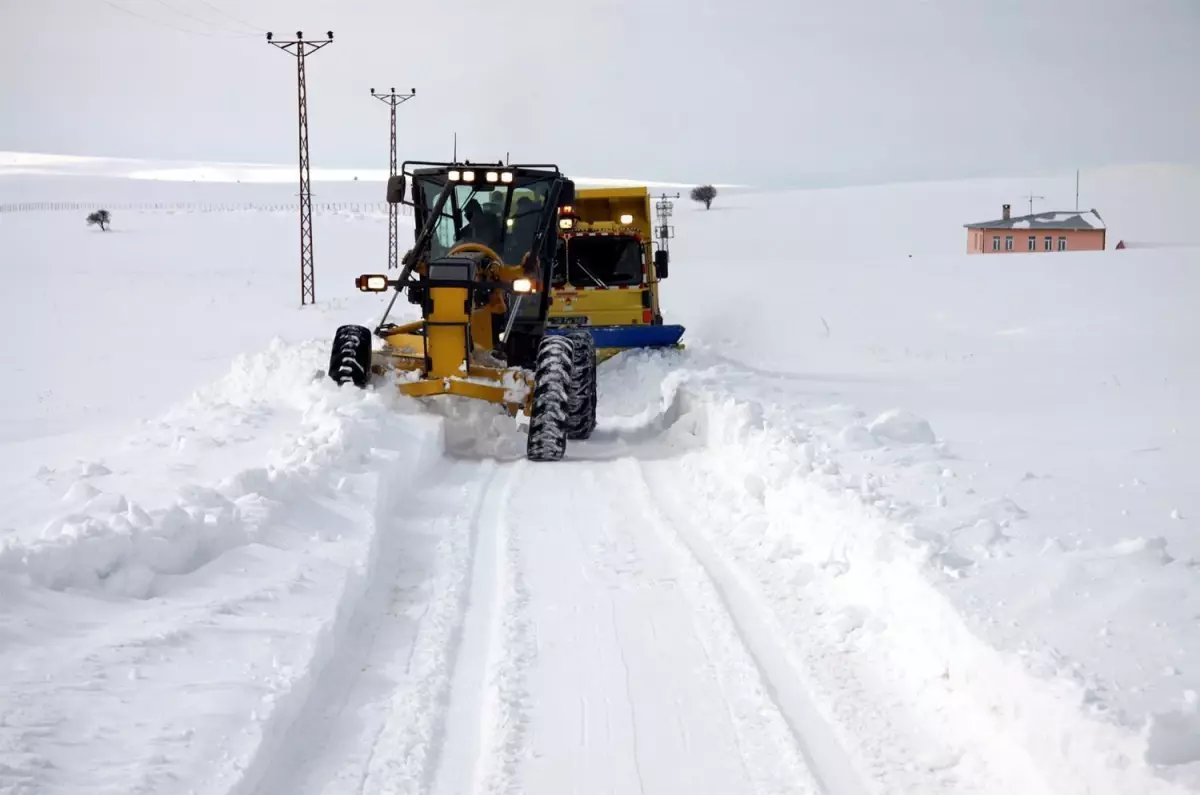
(664, 208)
(301, 48)
(393, 99)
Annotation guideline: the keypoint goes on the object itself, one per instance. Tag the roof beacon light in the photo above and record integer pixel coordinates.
(506, 176)
(627, 218)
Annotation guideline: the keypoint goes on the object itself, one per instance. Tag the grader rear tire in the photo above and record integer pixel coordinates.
(548, 415)
(350, 359)
(581, 398)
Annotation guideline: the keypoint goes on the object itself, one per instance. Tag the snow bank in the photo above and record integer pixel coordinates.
(223, 603)
(1057, 392)
(109, 543)
(804, 531)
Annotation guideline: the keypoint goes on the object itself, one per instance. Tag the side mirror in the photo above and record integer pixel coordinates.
(661, 260)
(395, 189)
(566, 194)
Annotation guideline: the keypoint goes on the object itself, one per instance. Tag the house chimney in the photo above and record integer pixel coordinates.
(1007, 211)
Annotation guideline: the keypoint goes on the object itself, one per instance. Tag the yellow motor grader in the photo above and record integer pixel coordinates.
(481, 270)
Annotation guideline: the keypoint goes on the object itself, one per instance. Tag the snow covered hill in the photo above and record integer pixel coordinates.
(890, 524)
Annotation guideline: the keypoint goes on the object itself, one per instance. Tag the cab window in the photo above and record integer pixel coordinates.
(604, 261)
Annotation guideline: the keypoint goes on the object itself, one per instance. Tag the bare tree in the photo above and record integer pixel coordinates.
(100, 218)
(704, 193)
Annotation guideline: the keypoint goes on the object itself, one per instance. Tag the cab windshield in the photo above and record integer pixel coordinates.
(505, 218)
(601, 261)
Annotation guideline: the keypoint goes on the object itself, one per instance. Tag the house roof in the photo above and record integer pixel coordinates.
(1054, 219)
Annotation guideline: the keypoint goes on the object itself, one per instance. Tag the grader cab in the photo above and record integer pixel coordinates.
(480, 269)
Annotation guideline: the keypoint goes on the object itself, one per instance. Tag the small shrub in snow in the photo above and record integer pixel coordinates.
(705, 194)
(100, 218)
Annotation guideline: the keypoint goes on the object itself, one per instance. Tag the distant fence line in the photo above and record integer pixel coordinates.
(199, 207)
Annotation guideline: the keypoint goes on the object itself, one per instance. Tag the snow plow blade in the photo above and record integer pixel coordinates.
(611, 340)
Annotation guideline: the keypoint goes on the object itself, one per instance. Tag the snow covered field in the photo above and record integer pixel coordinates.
(890, 524)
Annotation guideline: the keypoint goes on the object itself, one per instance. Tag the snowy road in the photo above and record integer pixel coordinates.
(923, 529)
(591, 653)
(671, 609)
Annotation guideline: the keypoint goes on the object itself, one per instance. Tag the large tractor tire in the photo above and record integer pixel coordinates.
(350, 359)
(581, 397)
(548, 415)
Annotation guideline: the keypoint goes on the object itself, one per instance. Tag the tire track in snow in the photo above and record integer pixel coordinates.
(371, 721)
(484, 720)
(828, 762)
(640, 683)
(630, 700)
(405, 752)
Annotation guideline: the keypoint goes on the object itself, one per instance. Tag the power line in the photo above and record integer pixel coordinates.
(203, 21)
(157, 22)
(256, 28)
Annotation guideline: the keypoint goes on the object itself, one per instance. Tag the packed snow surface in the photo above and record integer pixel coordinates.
(897, 519)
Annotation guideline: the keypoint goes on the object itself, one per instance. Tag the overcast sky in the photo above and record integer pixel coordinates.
(761, 91)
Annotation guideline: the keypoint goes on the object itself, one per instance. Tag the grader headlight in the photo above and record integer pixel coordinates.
(627, 218)
(371, 283)
(566, 223)
(522, 286)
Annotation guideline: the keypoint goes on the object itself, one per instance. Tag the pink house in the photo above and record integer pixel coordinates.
(1066, 230)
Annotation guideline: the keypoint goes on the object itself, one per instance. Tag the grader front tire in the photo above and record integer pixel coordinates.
(549, 412)
(581, 398)
(350, 359)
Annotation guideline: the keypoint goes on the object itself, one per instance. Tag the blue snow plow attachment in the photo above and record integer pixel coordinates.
(611, 340)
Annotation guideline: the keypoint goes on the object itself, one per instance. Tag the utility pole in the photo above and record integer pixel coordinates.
(664, 208)
(301, 48)
(393, 99)
(1031, 197)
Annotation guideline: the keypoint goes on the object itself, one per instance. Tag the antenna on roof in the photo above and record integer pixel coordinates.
(1031, 197)
(455, 158)
(1076, 190)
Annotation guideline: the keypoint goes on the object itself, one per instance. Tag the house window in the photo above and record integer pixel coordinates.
(995, 242)
(1033, 242)
(1062, 244)
(1008, 242)
(1049, 243)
